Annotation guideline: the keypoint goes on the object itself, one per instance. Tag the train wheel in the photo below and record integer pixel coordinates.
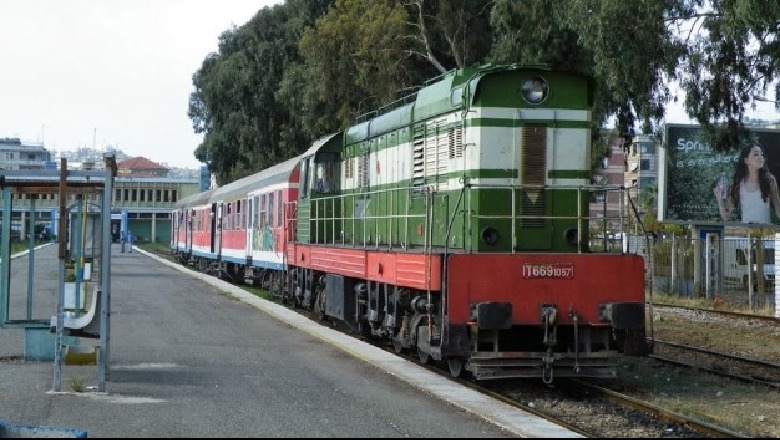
(423, 356)
(456, 366)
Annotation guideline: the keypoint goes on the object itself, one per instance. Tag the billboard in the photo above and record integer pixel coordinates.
(698, 185)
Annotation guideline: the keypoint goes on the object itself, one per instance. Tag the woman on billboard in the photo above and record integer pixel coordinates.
(753, 189)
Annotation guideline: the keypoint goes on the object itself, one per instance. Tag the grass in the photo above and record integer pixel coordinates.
(701, 302)
(161, 249)
(23, 245)
(76, 384)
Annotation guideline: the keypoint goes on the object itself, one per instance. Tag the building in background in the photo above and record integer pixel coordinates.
(607, 205)
(142, 199)
(140, 167)
(641, 175)
(16, 155)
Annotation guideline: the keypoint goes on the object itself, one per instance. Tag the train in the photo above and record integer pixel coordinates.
(452, 224)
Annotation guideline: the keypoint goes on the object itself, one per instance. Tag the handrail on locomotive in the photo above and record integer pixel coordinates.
(610, 226)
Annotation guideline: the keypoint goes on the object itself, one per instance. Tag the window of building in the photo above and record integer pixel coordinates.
(645, 165)
(134, 195)
(143, 195)
(173, 196)
(647, 148)
(644, 182)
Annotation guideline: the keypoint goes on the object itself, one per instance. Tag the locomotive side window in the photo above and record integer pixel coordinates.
(323, 184)
(534, 90)
(304, 179)
(327, 172)
(457, 96)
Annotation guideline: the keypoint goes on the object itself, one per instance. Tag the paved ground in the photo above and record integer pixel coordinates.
(192, 356)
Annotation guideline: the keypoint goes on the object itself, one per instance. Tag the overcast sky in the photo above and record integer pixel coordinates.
(84, 73)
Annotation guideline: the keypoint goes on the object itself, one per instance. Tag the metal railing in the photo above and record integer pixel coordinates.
(727, 269)
(361, 224)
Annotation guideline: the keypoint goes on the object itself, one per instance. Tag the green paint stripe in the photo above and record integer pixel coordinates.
(480, 174)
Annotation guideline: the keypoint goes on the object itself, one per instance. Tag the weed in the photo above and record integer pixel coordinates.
(76, 384)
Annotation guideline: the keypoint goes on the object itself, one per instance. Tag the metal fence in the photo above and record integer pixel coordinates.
(740, 271)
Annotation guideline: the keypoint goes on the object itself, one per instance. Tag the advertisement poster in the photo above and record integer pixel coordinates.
(738, 186)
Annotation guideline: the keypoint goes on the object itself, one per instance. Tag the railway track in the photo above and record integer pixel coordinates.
(723, 313)
(589, 409)
(736, 367)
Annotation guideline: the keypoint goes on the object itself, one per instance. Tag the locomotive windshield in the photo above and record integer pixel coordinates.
(326, 173)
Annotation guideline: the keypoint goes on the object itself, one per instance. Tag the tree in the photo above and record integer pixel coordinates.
(355, 54)
(733, 61)
(234, 102)
(303, 69)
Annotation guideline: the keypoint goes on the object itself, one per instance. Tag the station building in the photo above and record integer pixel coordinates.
(142, 200)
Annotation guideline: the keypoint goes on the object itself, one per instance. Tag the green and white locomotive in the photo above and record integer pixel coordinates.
(455, 223)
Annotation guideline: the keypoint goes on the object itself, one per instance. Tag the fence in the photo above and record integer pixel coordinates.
(725, 269)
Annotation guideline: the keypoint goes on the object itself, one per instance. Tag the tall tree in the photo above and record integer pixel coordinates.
(731, 64)
(234, 102)
(355, 54)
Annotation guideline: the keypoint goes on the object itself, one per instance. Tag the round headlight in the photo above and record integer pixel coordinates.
(570, 235)
(490, 236)
(534, 90)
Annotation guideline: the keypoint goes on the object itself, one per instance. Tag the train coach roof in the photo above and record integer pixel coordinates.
(269, 176)
(239, 188)
(197, 199)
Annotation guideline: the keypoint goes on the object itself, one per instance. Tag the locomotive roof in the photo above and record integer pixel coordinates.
(434, 98)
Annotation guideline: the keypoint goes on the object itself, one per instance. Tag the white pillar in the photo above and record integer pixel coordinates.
(154, 227)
